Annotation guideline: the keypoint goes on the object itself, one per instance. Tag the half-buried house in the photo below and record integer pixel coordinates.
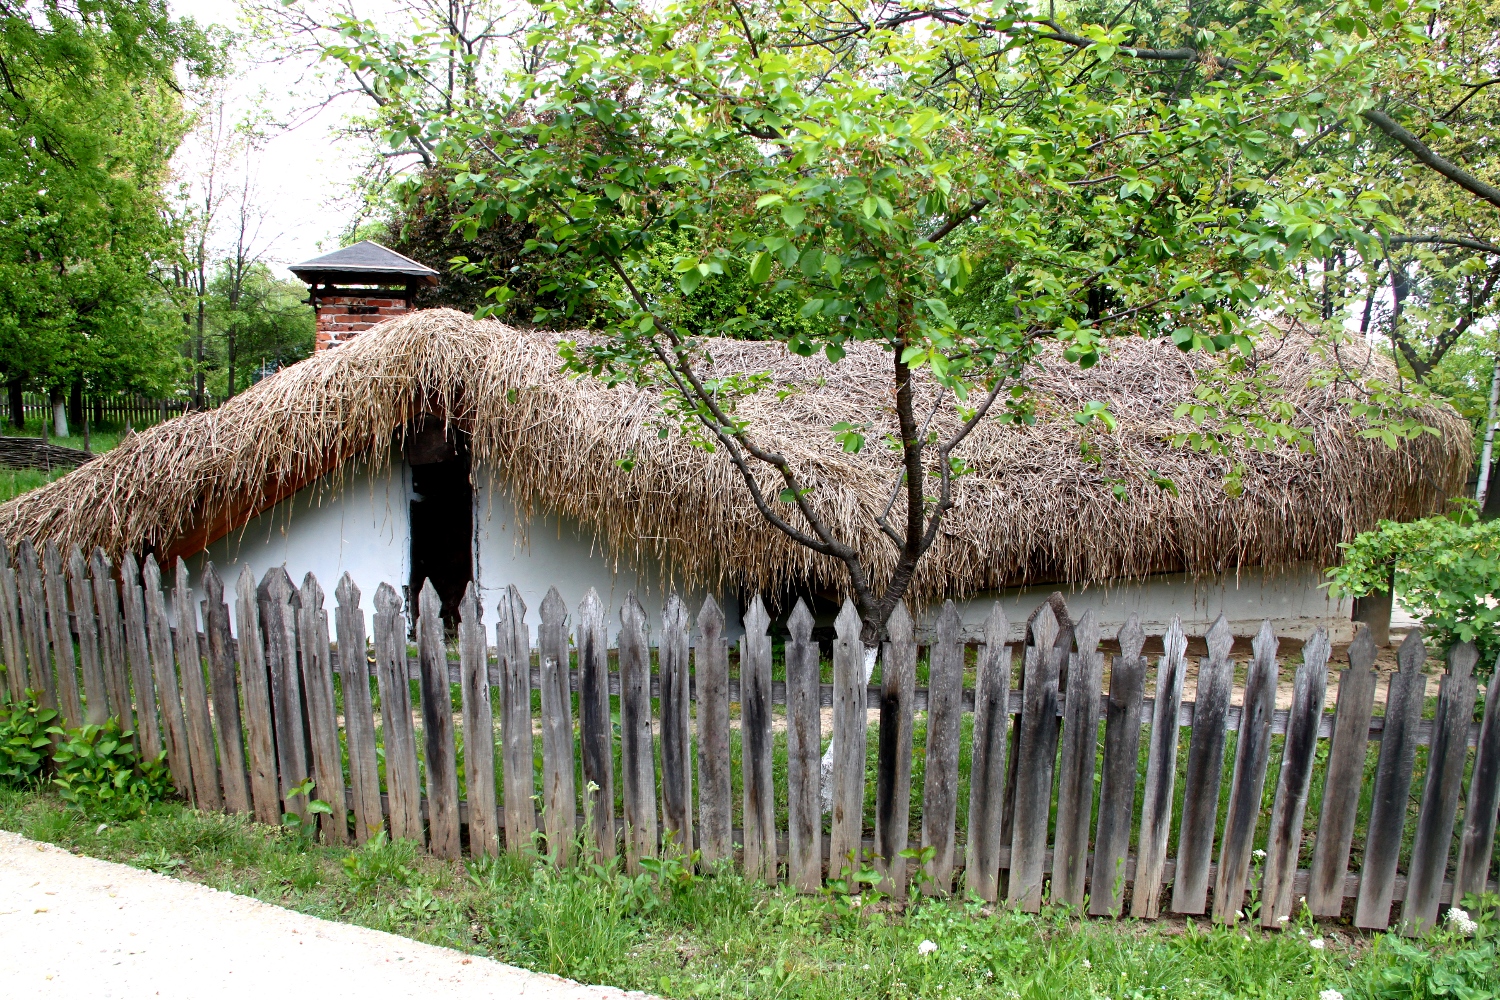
(436, 447)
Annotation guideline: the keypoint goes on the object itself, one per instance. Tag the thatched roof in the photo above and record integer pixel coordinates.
(1035, 509)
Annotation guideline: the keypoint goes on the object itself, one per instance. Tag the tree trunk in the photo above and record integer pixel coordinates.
(17, 403)
(59, 413)
(229, 392)
(1486, 457)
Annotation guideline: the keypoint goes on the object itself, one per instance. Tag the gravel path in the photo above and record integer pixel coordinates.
(79, 927)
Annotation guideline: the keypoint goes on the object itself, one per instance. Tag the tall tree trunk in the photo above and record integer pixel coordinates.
(16, 389)
(75, 402)
(229, 394)
(59, 412)
(1487, 455)
(198, 376)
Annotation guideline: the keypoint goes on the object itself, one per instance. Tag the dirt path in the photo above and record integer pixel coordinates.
(73, 926)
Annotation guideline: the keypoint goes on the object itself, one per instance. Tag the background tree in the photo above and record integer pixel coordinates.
(866, 161)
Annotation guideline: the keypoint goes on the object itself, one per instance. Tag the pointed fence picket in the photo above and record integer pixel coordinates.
(251, 705)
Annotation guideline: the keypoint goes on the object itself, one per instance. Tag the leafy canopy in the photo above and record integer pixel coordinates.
(867, 167)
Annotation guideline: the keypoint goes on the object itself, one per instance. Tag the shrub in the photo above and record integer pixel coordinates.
(24, 741)
(100, 773)
(1447, 570)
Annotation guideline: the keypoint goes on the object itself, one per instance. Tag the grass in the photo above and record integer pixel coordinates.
(686, 935)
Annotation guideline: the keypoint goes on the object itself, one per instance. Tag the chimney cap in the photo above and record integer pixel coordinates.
(366, 262)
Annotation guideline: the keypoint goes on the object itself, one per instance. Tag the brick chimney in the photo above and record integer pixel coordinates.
(359, 286)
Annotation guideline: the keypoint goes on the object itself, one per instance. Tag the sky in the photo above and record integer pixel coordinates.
(304, 174)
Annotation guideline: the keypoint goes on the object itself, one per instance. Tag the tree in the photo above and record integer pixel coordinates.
(89, 117)
(867, 161)
(256, 322)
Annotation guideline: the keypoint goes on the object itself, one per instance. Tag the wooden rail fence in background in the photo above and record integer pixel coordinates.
(244, 721)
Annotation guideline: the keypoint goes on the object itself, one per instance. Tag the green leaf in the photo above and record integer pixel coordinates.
(793, 215)
(760, 268)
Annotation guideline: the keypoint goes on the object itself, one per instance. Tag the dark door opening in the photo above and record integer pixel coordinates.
(442, 517)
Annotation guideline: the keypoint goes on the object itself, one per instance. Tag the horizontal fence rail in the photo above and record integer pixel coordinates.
(1063, 775)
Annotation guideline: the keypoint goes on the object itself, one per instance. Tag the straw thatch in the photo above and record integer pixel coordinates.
(1035, 509)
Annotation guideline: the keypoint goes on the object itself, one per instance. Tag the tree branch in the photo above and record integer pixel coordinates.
(1427, 157)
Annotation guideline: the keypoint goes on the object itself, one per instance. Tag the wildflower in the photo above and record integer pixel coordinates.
(1260, 855)
(926, 947)
(1316, 944)
(989, 973)
(866, 966)
(1087, 964)
(1282, 920)
(1330, 995)
(1459, 920)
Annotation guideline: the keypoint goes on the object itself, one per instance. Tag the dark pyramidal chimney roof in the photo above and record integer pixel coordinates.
(364, 263)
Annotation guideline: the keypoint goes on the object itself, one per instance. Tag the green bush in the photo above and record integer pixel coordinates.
(24, 741)
(99, 772)
(1447, 570)
(1460, 960)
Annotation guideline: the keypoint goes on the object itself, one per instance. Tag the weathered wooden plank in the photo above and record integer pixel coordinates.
(1252, 753)
(81, 590)
(1080, 735)
(1440, 791)
(848, 741)
(1294, 781)
(56, 592)
(1392, 792)
(137, 646)
(33, 602)
(1205, 772)
(945, 690)
(513, 646)
(112, 654)
(759, 816)
(1478, 843)
(804, 743)
(479, 729)
(559, 786)
(439, 752)
(595, 727)
(1161, 775)
(400, 742)
(278, 614)
(322, 712)
(224, 689)
(10, 627)
(200, 731)
(676, 717)
(1343, 778)
(987, 758)
(260, 727)
(1064, 620)
(636, 759)
(1038, 753)
(359, 712)
(1122, 743)
(715, 810)
(898, 681)
(168, 696)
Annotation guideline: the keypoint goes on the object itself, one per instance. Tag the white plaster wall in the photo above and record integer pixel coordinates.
(362, 528)
(1293, 599)
(547, 551)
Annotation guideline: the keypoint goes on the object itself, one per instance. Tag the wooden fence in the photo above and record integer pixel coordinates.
(1074, 790)
(116, 407)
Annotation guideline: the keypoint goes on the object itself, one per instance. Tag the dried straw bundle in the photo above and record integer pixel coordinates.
(1035, 509)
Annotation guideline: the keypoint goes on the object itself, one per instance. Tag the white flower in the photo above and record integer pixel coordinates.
(1282, 920)
(1260, 855)
(989, 973)
(926, 947)
(866, 967)
(1087, 964)
(1459, 919)
(1316, 944)
(1330, 995)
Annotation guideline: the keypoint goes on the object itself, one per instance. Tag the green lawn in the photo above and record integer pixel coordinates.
(721, 936)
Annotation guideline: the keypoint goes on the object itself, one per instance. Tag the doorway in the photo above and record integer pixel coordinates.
(442, 516)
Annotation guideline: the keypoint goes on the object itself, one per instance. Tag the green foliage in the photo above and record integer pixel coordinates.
(1447, 570)
(99, 772)
(1458, 963)
(380, 863)
(25, 741)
